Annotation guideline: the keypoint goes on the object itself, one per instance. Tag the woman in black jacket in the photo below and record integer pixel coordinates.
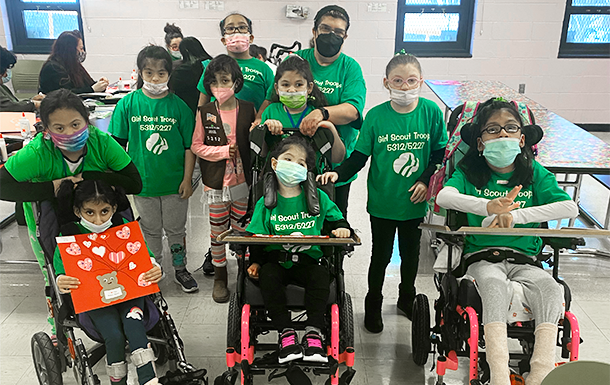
(63, 68)
(184, 79)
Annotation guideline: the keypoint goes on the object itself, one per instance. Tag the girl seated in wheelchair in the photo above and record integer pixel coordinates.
(499, 184)
(95, 203)
(293, 213)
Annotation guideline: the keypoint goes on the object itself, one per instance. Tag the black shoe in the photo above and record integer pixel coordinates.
(186, 281)
(289, 349)
(405, 305)
(207, 267)
(313, 346)
(372, 314)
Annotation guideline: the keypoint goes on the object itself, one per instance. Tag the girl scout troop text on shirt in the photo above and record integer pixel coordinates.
(526, 195)
(327, 87)
(418, 144)
(154, 123)
(297, 221)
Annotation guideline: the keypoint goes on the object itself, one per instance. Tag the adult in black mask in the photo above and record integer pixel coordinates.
(340, 78)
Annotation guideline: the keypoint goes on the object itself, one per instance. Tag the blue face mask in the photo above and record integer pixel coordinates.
(8, 77)
(501, 152)
(290, 174)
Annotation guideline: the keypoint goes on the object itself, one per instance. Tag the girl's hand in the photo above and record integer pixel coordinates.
(66, 283)
(330, 176)
(232, 150)
(75, 179)
(341, 232)
(153, 275)
(505, 204)
(186, 189)
(419, 190)
(310, 123)
(504, 221)
(253, 270)
(274, 126)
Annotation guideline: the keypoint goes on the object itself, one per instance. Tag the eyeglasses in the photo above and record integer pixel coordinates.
(324, 29)
(509, 128)
(230, 30)
(397, 82)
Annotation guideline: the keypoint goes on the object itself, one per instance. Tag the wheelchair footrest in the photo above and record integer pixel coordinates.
(177, 377)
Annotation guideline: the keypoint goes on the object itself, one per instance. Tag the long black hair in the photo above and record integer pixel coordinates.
(153, 52)
(192, 50)
(296, 63)
(64, 52)
(299, 141)
(7, 60)
(72, 196)
(473, 164)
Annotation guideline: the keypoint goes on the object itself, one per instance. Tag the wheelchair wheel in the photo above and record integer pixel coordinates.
(234, 324)
(420, 330)
(46, 360)
(346, 324)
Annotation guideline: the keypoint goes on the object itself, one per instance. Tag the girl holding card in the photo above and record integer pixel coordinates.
(95, 203)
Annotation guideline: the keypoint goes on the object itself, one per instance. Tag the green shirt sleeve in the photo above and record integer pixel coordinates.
(546, 190)
(458, 181)
(115, 155)
(200, 86)
(119, 122)
(58, 264)
(354, 91)
(365, 139)
(330, 208)
(258, 223)
(439, 137)
(25, 165)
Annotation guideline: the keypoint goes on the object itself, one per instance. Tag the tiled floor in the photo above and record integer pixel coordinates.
(381, 359)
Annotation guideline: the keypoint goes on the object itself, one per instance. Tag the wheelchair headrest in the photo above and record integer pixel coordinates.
(310, 188)
(533, 134)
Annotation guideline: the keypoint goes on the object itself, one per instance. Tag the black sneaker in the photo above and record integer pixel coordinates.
(313, 347)
(290, 350)
(207, 267)
(186, 281)
(405, 305)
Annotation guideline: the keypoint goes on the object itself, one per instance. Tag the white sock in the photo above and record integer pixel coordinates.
(543, 358)
(496, 347)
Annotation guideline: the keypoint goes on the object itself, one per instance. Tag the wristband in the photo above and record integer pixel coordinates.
(325, 114)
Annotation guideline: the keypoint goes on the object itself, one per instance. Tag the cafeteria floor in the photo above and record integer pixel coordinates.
(381, 358)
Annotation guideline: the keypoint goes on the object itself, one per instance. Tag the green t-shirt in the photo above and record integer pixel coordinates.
(258, 78)
(41, 161)
(341, 82)
(543, 190)
(399, 146)
(158, 133)
(290, 217)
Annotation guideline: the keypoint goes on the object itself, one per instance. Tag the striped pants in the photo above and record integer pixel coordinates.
(222, 216)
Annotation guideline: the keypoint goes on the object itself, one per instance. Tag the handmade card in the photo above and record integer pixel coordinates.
(109, 265)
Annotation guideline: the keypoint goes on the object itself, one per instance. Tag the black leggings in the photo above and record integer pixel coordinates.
(409, 235)
(114, 326)
(314, 278)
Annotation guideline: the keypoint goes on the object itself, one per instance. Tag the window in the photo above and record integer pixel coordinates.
(586, 29)
(435, 28)
(35, 24)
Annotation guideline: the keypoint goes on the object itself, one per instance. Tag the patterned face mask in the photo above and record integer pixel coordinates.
(73, 142)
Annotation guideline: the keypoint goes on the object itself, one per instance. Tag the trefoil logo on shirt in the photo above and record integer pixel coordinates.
(406, 164)
(156, 144)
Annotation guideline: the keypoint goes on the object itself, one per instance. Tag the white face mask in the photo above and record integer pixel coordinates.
(96, 228)
(155, 88)
(404, 98)
(175, 54)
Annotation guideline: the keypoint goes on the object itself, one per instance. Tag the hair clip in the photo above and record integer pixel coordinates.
(500, 99)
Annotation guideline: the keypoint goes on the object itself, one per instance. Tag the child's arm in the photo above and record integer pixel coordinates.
(450, 198)
(209, 153)
(186, 187)
(338, 150)
(345, 170)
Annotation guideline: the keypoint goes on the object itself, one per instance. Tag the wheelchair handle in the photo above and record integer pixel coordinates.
(290, 48)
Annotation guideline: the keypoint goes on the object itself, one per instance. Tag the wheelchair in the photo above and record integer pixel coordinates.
(277, 51)
(248, 320)
(51, 360)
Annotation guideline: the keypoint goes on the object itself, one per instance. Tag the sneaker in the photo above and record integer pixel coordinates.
(405, 306)
(290, 350)
(313, 348)
(207, 267)
(186, 281)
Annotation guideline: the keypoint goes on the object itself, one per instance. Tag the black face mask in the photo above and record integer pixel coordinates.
(328, 44)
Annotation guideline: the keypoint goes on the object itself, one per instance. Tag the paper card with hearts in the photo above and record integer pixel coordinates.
(109, 265)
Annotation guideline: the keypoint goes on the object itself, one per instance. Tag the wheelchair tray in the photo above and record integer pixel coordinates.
(231, 236)
(564, 232)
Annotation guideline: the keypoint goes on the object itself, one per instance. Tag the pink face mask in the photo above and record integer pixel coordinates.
(238, 42)
(222, 94)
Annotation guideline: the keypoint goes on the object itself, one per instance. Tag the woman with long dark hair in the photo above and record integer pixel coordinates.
(64, 69)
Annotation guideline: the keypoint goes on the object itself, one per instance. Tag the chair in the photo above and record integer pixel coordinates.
(25, 78)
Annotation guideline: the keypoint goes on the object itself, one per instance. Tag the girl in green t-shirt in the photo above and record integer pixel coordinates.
(294, 96)
(273, 265)
(405, 138)
(96, 204)
(499, 184)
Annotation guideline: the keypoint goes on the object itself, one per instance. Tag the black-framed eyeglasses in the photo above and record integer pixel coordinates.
(324, 29)
(510, 128)
(230, 30)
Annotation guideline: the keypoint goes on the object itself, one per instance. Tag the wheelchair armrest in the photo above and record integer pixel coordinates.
(451, 239)
(563, 243)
